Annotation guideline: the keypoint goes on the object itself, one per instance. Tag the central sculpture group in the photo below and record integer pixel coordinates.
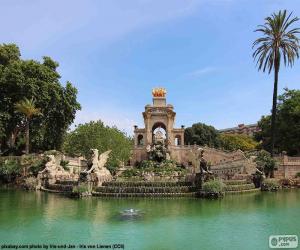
(94, 175)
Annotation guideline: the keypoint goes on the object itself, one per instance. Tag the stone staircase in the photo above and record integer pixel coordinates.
(62, 186)
(239, 186)
(145, 189)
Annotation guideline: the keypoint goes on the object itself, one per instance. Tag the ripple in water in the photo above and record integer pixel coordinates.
(130, 214)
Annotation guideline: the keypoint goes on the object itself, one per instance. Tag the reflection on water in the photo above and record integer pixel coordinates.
(235, 222)
(131, 214)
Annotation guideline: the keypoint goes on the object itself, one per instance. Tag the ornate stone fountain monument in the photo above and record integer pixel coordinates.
(159, 120)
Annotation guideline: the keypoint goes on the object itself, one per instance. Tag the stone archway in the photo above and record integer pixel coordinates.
(140, 140)
(159, 129)
(178, 140)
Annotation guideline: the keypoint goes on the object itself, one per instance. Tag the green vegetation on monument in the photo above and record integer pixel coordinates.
(13, 167)
(265, 163)
(9, 170)
(270, 185)
(203, 134)
(213, 186)
(96, 135)
(287, 124)
(278, 42)
(39, 81)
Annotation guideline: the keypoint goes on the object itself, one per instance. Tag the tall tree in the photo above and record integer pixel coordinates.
(95, 134)
(287, 122)
(28, 108)
(279, 41)
(21, 79)
(202, 134)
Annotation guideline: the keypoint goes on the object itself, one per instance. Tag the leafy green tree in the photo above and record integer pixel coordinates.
(9, 170)
(288, 124)
(27, 107)
(21, 79)
(278, 42)
(237, 141)
(96, 135)
(202, 134)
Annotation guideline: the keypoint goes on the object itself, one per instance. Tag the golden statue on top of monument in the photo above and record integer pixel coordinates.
(159, 92)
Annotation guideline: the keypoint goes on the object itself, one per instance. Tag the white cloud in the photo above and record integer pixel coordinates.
(70, 22)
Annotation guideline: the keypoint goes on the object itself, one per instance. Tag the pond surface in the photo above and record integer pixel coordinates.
(235, 222)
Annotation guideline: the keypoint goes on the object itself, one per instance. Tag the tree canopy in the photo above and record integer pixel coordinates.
(96, 135)
(205, 135)
(40, 81)
(237, 141)
(287, 123)
(202, 134)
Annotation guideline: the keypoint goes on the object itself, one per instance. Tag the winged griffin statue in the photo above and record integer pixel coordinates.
(98, 161)
(97, 169)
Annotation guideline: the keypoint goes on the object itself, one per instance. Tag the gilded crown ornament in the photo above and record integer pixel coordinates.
(159, 92)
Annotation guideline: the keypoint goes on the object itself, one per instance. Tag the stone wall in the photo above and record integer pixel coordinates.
(76, 164)
(184, 155)
(288, 167)
(228, 169)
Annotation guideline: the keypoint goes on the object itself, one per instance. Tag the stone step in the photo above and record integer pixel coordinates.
(239, 187)
(243, 191)
(55, 191)
(66, 182)
(235, 182)
(175, 189)
(59, 187)
(146, 184)
(117, 195)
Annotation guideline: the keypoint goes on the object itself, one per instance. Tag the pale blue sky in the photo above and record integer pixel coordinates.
(115, 52)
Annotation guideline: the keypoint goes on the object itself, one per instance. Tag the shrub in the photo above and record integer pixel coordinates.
(147, 164)
(287, 182)
(30, 183)
(297, 175)
(37, 165)
(130, 173)
(80, 189)
(270, 185)
(213, 186)
(10, 169)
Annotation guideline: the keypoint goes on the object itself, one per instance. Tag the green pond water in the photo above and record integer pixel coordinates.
(235, 222)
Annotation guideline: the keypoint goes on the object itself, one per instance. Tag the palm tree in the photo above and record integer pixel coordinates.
(278, 41)
(27, 107)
